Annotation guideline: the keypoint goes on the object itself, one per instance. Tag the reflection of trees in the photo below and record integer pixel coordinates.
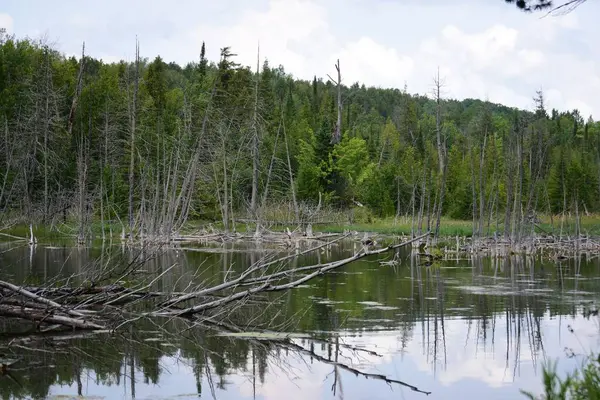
(485, 292)
(114, 360)
(508, 290)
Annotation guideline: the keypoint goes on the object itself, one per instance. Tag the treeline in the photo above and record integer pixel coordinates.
(154, 144)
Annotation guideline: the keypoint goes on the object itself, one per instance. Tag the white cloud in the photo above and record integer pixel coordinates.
(371, 63)
(6, 22)
(509, 65)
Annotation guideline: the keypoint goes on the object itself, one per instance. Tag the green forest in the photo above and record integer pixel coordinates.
(153, 145)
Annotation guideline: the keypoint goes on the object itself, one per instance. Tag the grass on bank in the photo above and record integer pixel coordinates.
(589, 224)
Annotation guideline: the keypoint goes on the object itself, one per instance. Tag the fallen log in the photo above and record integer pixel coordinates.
(40, 299)
(13, 236)
(84, 307)
(43, 316)
(243, 276)
(267, 284)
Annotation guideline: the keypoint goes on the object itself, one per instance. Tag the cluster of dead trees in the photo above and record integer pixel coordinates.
(168, 158)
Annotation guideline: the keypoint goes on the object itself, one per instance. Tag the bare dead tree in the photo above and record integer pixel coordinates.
(46, 126)
(291, 175)
(509, 150)
(78, 87)
(337, 133)
(442, 151)
(268, 181)
(180, 208)
(482, 148)
(255, 142)
(132, 128)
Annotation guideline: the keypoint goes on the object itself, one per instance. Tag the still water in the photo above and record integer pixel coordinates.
(469, 328)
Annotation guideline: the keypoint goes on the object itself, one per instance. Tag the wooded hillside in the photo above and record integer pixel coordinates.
(155, 144)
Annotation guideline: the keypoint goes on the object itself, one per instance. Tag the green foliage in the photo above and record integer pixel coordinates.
(376, 187)
(206, 113)
(360, 215)
(582, 384)
(310, 170)
(586, 382)
(351, 158)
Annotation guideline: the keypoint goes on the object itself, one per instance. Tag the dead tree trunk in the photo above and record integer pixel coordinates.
(81, 183)
(482, 207)
(291, 175)
(81, 158)
(78, 87)
(441, 147)
(509, 151)
(337, 133)
(517, 208)
(132, 122)
(255, 143)
(263, 203)
(46, 124)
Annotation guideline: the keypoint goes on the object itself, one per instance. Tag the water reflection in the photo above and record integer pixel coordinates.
(476, 327)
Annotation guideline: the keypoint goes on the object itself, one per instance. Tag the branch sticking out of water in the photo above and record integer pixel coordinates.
(287, 344)
(271, 282)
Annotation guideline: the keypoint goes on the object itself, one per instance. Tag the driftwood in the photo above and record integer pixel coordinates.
(37, 298)
(246, 274)
(287, 237)
(43, 316)
(95, 307)
(270, 282)
(545, 245)
(13, 236)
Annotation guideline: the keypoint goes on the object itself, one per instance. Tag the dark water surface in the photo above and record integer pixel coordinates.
(477, 328)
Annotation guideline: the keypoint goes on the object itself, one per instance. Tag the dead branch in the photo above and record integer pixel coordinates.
(266, 283)
(290, 345)
(295, 347)
(40, 299)
(95, 307)
(39, 316)
(243, 276)
(12, 236)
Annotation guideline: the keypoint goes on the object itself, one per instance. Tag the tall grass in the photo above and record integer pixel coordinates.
(581, 384)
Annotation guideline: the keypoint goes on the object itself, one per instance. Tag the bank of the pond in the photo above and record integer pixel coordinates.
(588, 225)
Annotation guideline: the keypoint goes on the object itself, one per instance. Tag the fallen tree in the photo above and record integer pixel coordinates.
(104, 302)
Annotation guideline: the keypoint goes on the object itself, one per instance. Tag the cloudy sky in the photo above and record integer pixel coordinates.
(484, 48)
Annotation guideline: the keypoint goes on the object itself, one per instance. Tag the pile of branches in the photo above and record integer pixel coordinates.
(556, 247)
(93, 306)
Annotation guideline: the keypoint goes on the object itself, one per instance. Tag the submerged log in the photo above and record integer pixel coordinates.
(40, 299)
(43, 316)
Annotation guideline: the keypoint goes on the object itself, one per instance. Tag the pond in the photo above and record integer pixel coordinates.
(467, 328)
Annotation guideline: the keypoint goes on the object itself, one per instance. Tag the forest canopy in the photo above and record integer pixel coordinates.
(154, 144)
